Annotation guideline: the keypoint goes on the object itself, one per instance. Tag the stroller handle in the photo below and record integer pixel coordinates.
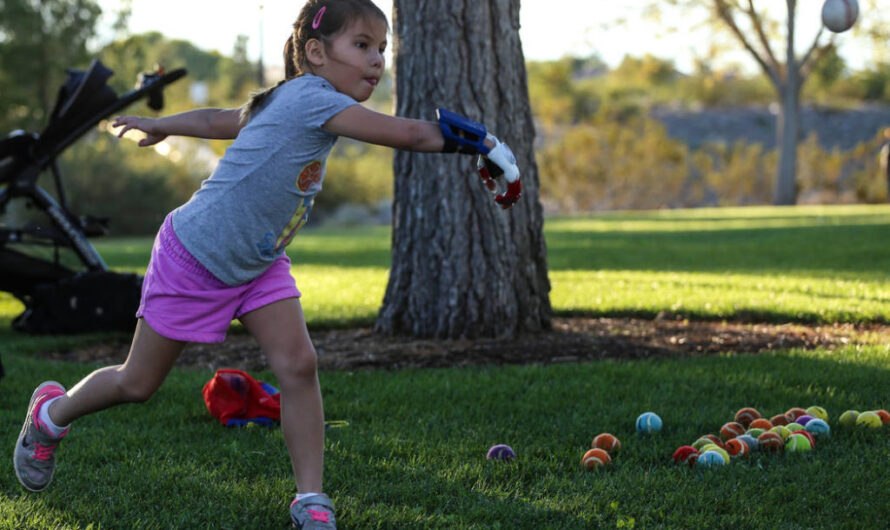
(153, 86)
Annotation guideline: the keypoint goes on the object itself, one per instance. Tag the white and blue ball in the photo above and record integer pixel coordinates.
(710, 459)
(648, 423)
(818, 428)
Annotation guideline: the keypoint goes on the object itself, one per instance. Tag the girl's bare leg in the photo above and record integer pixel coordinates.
(150, 359)
(280, 329)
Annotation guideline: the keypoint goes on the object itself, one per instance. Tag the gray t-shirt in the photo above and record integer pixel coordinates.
(262, 191)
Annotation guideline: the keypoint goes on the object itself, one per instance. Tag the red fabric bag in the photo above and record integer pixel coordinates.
(234, 398)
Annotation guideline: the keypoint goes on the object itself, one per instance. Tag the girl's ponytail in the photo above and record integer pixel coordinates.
(257, 98)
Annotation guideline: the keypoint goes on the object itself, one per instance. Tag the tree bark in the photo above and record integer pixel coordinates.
(461, 266)
(785, 192)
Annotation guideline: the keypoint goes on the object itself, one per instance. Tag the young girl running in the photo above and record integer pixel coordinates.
(221, 255)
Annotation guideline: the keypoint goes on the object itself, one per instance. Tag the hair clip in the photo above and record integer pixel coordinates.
(317, 20)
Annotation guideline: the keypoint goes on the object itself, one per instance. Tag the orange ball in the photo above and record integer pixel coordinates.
(731, 430)
(761, 423)
(884, 415)
(717, 441)
(794, 413)
(779, 419)
(595, 458)
(770, 441)
(746, 415)
(736, 447)
(607, 442)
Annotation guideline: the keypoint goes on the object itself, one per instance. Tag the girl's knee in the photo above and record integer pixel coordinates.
(295, 365)
(134, 389)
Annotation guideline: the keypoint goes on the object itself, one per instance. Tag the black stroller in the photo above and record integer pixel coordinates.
(46, 258)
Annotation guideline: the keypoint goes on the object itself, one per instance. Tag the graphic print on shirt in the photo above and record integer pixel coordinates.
(307, 182)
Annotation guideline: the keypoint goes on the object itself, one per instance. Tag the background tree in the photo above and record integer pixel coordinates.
(754, 30)
(461, 266)
(38, 41)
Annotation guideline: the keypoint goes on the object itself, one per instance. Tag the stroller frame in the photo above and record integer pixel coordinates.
(83, 101)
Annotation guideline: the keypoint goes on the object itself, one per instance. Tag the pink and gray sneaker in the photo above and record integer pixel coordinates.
(313, 513)
(34, 458)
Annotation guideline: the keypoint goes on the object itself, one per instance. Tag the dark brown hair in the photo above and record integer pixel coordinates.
(337, 15)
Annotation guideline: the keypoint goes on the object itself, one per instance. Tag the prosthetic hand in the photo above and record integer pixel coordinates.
(495, 163)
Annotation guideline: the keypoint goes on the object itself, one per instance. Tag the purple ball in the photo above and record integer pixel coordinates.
(803, 420)
(500, 452)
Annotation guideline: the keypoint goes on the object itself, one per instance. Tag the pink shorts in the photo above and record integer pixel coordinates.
(182, 300)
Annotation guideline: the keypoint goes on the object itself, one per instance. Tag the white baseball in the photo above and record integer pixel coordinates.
(839, 15)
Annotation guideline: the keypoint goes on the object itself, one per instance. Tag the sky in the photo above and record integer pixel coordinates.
(550, 29)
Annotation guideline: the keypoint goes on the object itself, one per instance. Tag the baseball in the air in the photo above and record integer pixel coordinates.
(839, 15)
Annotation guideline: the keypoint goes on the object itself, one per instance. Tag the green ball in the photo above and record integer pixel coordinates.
(848, 418)
(798, 443)
(782, 431)
(794, 427)
(818, 412)
(755, 432)
(701, 442)
(869, 420)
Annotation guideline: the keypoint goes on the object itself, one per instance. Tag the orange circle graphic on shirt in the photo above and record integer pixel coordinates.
(310, 175)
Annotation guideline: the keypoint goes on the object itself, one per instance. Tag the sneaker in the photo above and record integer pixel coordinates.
(34, 459)
(313, 513)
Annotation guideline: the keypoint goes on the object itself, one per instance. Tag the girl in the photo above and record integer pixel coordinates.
(221, 255)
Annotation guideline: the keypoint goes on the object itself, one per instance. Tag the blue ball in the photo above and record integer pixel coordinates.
(750, 440)
(648, 423)
(818, 428)
(710, 459)
(500, 452)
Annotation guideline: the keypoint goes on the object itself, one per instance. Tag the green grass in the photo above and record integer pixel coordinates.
(413, 454)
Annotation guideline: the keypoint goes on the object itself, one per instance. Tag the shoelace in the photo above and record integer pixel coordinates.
(321, 517)
(43, 452)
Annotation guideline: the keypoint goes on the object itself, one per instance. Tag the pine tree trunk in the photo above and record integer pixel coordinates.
(461, 266)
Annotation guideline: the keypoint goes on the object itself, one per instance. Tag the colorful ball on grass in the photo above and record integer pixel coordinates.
(686, 455)
(595, 458)
(779, 419)
(848, 418)
(782, 431)
(713, 447)
(818, 412)
(794, 426)
(751, 441)
(756, 432)
(761, 423)
(736, 447)
(711, 459)
(770, 442)
(746, 415)
(818, 428)
(648, 423)
(808, 435)
(798, 443)
(795, 412)
(500, 452)
(869, 420)
(803, 420)
(884, 415)
(715, 439)
(701, 442)
(607, 442)
(731, 430)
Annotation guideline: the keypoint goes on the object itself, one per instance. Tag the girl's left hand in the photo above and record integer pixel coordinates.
(145, 125)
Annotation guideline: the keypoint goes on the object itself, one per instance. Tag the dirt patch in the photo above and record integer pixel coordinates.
(570, 340)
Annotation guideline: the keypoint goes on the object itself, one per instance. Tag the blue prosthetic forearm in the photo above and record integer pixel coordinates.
(461, 134)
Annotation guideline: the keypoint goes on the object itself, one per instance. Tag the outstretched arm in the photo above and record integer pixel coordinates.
(452, 133)
(222, 124)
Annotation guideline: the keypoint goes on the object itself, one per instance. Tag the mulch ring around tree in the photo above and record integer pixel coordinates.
(573, 339)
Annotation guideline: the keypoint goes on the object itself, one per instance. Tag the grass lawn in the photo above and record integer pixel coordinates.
(413, 453)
